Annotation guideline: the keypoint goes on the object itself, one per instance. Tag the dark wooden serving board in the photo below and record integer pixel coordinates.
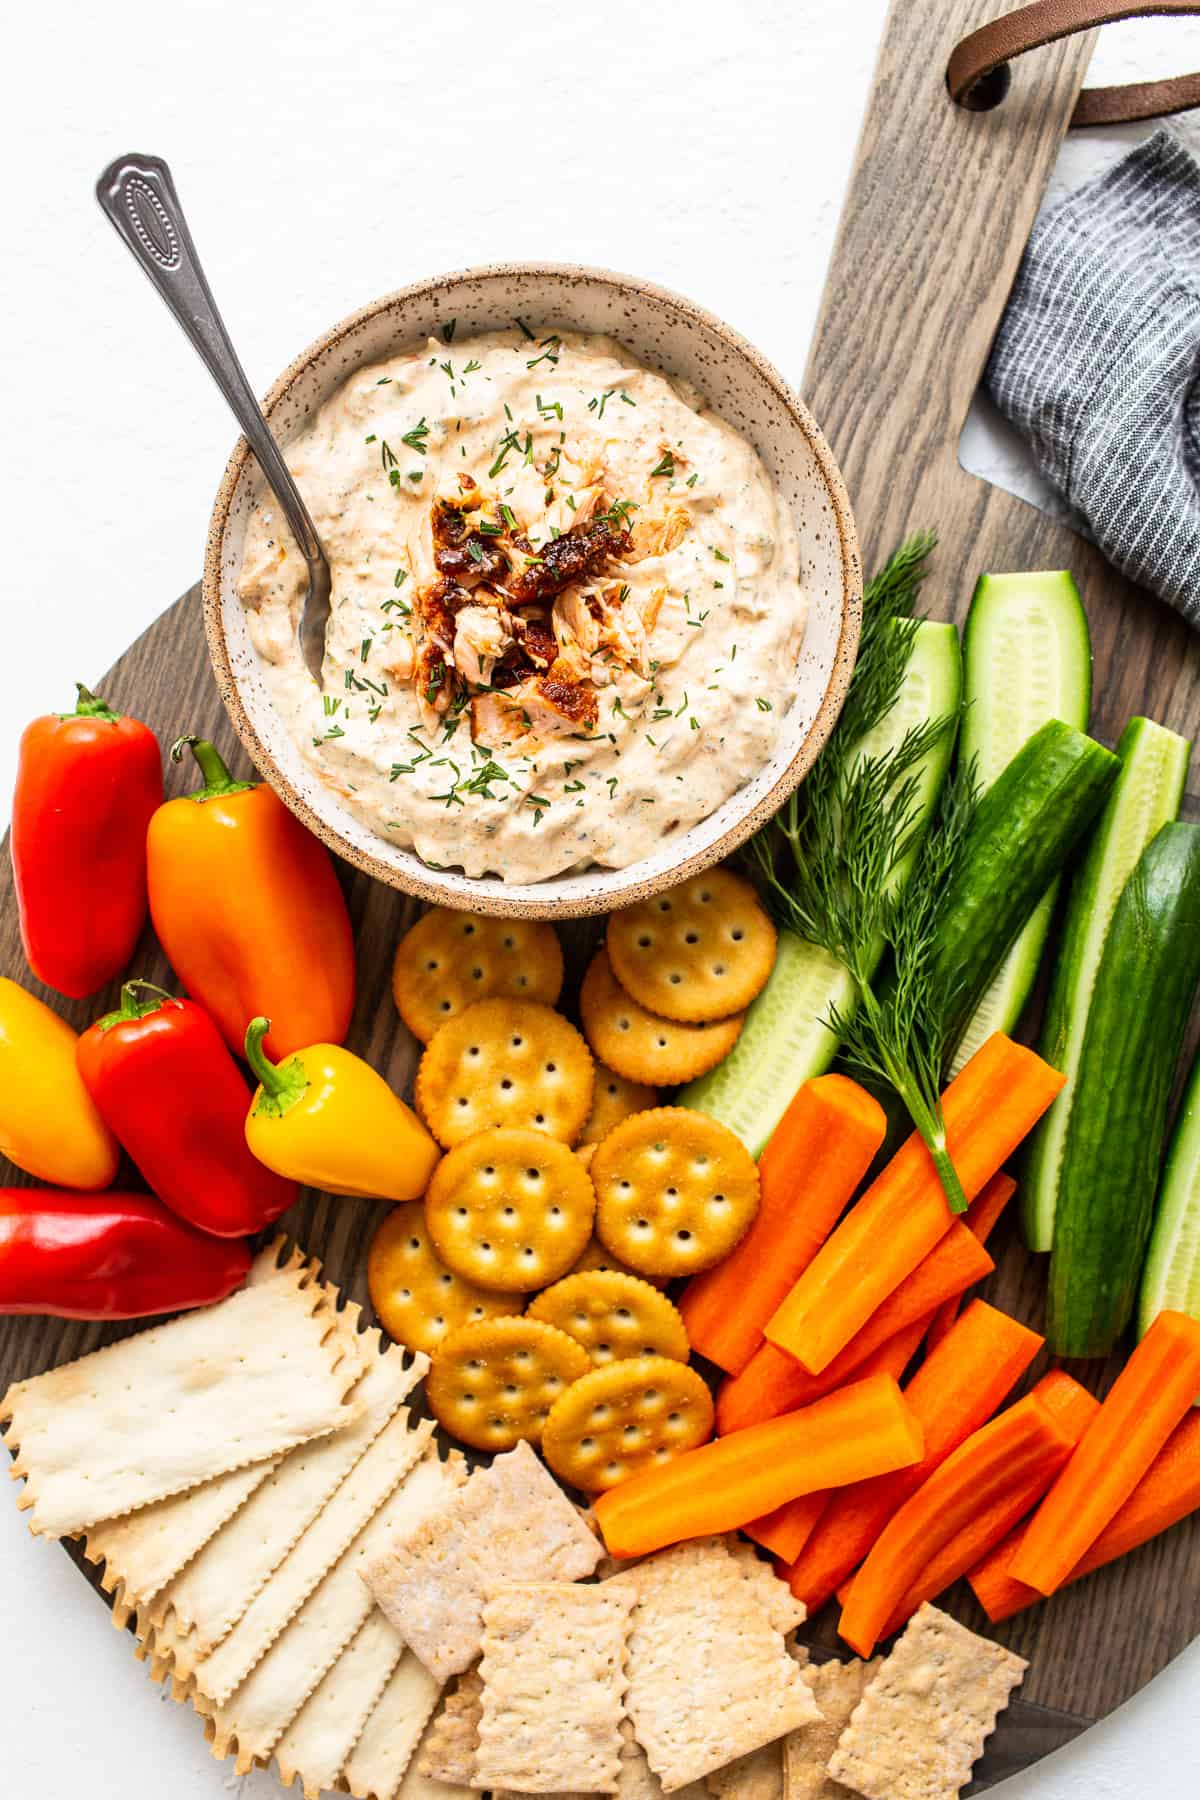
(940, 204)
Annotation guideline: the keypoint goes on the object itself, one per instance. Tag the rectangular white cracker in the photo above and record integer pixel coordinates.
(179, 1404)
(254, 1719)
(710, 1678)
(837, 1688)
(217, 1586)
(636, 1780)
(376, 1474)
(512, 1522)
(451, 1744)
(921, 1725)
(779, 1603)
(553, 1671)
(325, 1730)
(758, 1776)
(382, 1756)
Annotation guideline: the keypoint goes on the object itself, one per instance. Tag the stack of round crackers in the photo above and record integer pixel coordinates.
(567, 1196)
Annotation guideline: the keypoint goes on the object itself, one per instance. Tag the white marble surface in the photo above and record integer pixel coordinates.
(327, 152)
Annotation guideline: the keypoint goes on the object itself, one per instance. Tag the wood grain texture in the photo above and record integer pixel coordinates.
(940, 205)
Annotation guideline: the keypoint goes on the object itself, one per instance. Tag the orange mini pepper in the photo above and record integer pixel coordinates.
(249, 911)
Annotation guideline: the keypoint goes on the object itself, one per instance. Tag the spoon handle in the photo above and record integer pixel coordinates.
(138, 196)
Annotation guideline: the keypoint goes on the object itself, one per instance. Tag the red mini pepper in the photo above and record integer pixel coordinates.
(88, 783)
(164, 1083)
(107, 1256)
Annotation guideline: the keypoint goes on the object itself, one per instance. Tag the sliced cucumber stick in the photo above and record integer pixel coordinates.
(1027, 658)
(1172, 1276)
(1146, 795)
(785, 1041)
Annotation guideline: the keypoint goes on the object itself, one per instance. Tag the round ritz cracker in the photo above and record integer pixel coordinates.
(493, 1382)
(505, 1062)
(417, 1299)
(623, 1418)
(700, 952)
(448, 960)
(510, 1209)
(614, 1099)
(675, 1191)
(595, 1256)
(637, 1043)
(614, 1316)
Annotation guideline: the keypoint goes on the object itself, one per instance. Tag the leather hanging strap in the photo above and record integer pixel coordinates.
(977, 74)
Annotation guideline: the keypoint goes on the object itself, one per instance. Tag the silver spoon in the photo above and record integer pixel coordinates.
(138, 195)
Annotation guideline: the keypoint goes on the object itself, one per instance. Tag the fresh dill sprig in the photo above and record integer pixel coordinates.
(834, 863)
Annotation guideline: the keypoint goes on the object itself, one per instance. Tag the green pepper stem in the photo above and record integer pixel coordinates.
(282, 1084)
(133, 1008)
(213, 767)
(91, 706)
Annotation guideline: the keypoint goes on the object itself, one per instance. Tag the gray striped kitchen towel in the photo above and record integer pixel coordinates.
(1097, 363)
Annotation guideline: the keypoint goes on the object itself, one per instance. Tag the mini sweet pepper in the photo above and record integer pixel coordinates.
(49, 1125)
(248, 908)
(168, 1088)
(324, 1117)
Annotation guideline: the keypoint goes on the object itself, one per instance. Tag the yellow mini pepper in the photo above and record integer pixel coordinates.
(48, 1124)
(325, 1118)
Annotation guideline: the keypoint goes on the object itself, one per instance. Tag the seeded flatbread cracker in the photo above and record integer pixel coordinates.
(614, 1099)
(449, 1750)
(553, 1669)
(316, 1744)
(625, 1417)
(923, 1720)
(383, 1763)
(637, 1043)
(505, 1062)
(417, 1298)
(448, 960)
(510, 1209)
(595, 1256)
(700, 952)
(675, 1191)
(614, 1315)
(511, 1522)
(709, 1677)
(181, 1403)
(837, 1688)
(494, 1382)
(252, 1721)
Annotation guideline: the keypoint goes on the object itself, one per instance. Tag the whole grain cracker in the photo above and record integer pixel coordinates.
(510, 1209)
(319, 1739)
(252, 1721)
(553, 1669)
(710, 1679)
(417, 1298)
(701, 951)
(180, 1403)
(637, 1043)
(675, 1191)
(451, 1744)
(493, 1383)
(922, 1722)
(837, 1688)
(778, 1601)
(382, 1762)
(624, 1417)
(614, 1099)
(511, 1522)
(636, 1780)
(757, 1776)
(448, 960)
(505, 1062)
(614, 1315)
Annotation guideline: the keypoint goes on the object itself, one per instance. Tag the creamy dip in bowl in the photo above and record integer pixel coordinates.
(595, 591)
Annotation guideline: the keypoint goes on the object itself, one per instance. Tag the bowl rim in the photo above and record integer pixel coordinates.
(487, 896)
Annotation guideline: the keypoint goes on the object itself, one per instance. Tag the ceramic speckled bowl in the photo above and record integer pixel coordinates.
(667, 333)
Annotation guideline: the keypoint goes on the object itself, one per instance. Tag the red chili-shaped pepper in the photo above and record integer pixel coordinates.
(164, 1083)
(88, 783)
(108, 1256)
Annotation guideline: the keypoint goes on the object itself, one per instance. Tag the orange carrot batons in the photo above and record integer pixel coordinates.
(982, 1217)
(815, 1159)
(864, 1429)
(1152, 1394)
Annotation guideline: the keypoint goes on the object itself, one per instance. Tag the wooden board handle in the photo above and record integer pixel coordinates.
(978, 74)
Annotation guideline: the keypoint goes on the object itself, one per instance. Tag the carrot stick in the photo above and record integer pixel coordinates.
(1150, 1396)
(1168, 1492)
(982, 1216)
(999, 1457)
(785, 1531)
(815, 1158)
(1075, 1407)
(957, 1388)
(867, 1428)
(988, 1108)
